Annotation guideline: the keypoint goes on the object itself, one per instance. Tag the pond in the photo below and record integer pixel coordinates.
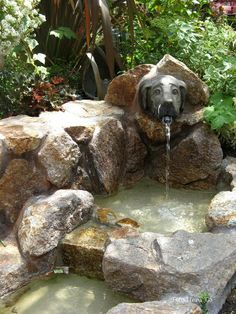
(66, 294)
(146, 203)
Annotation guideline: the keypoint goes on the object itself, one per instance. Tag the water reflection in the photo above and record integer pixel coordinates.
(67, 294)
(146, 203)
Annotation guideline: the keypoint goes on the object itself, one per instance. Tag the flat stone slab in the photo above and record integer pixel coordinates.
(182, 265)
(156, 307)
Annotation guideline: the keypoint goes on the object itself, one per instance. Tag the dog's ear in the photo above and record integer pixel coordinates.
(183, 92)
(143, 97)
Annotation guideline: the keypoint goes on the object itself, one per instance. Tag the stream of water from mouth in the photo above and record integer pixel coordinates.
(167, 123)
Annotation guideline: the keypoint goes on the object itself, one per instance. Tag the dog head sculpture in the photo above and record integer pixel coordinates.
(161, 96)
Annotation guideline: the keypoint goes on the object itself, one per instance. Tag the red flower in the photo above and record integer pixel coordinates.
(57, 80)
(36, 96)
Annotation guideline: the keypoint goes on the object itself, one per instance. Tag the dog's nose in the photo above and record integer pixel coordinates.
(168, 103)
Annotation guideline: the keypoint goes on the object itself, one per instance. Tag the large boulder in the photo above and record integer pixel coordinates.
(180, 266)
(222, 211)
(21, 180)
(155, 307)
(195, 160)
(46, 219)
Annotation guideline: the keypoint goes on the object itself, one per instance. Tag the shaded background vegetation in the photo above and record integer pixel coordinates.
(83, 44)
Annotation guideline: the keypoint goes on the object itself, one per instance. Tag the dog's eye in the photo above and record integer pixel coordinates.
(175, 91)
(157, 91)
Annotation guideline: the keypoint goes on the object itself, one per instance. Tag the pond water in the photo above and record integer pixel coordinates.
(66, 294)
(146, 203)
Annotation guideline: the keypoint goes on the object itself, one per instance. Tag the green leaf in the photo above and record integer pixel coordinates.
(63, 32)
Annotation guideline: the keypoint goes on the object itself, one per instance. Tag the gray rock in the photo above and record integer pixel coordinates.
(155, 307)
(46, 219)
(222, 211)
(59, 155)
(195, 160)
(180, 266)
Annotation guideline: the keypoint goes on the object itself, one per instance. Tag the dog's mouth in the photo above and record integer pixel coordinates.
(167, 120)
(167, 112)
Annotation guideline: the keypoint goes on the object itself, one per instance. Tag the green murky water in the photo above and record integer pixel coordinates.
(146, 203)
(66, 294)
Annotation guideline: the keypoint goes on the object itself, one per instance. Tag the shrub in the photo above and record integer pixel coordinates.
(18, 19)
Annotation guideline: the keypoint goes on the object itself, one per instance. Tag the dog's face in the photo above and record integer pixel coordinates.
(161, 95)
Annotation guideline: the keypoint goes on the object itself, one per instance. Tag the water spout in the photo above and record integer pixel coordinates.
(167, 120)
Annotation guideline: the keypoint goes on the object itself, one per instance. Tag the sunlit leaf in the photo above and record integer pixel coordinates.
(40, 57)
(63, 32)
(98, 80)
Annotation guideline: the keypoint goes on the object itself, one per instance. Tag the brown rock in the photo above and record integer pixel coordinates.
(197, 91)
(21, 180)
(122, 89)
(83, 250)
(154, 130)
(194, 161)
